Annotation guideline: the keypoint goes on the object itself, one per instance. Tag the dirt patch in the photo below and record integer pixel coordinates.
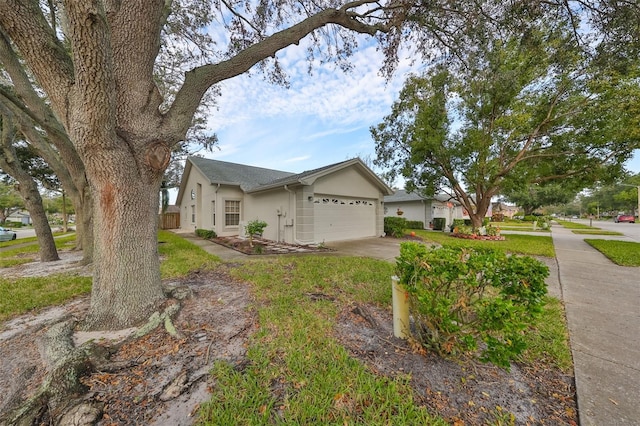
(163, 380)
(464, 392)
(262, 246)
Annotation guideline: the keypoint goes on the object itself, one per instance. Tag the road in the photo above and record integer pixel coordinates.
(631, 231)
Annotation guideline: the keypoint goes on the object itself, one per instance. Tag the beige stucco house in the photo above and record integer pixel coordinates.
(336, 202)
(415, 207)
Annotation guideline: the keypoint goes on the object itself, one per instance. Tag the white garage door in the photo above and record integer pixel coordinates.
(340, 218)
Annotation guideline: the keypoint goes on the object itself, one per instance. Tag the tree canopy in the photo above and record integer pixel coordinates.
(530, 109)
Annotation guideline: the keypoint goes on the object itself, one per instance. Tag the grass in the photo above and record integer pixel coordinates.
(548, 338)
(532, 245)
(624, 253)
(20, 295)
(574, 225)
(295, 367)
(317, 381)
(24, 253)
(519, 226)
(180, 257)
(595, 232)
(582, 229)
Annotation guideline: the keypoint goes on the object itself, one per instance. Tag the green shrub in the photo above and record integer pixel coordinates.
(395, 226)
(439, 223)
(254, 228)
(207, 234)
(530, 218)
(464, 299)
(542, 222)
(457, 223)
(415, 224)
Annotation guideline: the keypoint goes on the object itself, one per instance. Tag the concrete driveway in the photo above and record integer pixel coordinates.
(375, 247)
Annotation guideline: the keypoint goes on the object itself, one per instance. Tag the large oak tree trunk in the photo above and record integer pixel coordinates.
(126, 281)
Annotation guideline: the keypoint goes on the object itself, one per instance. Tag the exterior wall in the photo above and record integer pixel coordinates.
(208, 201)
(412, 210)
(347, 182)
(277, 208)
(304, 216)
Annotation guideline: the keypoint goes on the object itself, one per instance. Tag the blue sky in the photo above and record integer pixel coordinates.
(321, 119)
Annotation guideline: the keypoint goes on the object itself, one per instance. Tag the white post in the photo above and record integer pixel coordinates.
(400, 300)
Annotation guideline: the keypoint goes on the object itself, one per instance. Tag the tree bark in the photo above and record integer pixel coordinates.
(126, 280)
(28, 190)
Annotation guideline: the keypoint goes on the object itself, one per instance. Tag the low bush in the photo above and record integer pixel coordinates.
(476, 301)
(395, 226)
(207, 234)
(415, 224)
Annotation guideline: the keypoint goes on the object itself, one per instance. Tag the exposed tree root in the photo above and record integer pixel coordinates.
(60, 400)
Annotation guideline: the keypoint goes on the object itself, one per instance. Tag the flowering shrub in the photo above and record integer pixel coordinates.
(471, 301)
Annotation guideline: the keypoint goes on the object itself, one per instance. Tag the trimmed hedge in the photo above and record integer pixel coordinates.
(415, 224)
(207, 234)
(395, 226)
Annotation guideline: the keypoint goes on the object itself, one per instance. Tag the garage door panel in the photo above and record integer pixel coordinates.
(341, 218)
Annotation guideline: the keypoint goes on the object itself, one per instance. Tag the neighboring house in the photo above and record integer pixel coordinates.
(423, 209)
(505, 209)
(336, 202)
(21, 216)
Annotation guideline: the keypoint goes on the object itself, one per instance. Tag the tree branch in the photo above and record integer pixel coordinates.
(42, 51)
(199, 79)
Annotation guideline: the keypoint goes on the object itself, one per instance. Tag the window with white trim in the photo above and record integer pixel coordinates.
(231, 212)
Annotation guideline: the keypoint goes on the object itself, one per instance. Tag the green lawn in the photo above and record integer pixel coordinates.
(18, 296)
(624, 253)
(532, 245)
(292, 346)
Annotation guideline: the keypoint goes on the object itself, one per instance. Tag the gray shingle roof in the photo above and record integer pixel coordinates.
(252, 179)
(247, 177)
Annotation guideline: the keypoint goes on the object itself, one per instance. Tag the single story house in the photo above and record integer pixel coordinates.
(21, 216)
(337, 202)
(505, 209)
(415, 207)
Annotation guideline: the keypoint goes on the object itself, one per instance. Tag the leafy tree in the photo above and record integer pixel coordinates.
(532, 197)
(10, 200)
(523, 111)
(27, 186)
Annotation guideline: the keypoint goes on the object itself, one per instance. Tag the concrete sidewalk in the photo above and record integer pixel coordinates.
(602, 302)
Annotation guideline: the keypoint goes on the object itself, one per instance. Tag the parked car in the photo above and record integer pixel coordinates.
(7, 234)
(625, 218)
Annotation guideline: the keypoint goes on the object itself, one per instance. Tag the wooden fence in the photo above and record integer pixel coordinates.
(169, 221)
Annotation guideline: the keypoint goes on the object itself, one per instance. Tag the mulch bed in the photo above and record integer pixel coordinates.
(263, 246)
